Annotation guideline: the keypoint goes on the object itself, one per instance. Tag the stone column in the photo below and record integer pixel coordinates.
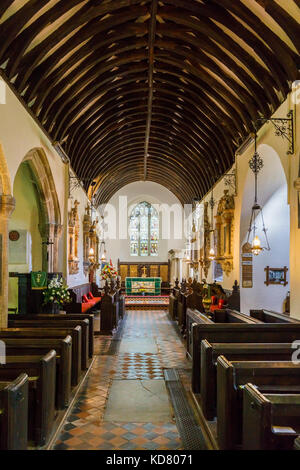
(7, 205)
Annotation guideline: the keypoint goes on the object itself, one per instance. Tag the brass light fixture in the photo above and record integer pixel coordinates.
(256, 164)
(212, 202)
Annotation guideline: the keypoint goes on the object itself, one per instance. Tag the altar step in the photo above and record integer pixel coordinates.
(145, 302)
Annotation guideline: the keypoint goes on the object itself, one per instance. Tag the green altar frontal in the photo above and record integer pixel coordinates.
(139, 285)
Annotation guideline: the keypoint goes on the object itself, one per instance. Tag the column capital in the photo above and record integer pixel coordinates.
(7, 205)
(297, 184)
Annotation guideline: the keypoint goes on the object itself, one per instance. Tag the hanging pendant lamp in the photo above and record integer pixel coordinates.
(256, 164)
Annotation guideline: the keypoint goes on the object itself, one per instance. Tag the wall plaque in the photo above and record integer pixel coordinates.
(247, 266)
(276, 276)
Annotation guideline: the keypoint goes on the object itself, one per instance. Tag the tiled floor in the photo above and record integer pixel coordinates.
(86, 428)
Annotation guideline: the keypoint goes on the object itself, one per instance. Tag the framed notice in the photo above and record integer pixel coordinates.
(247, 266)
(276, 276)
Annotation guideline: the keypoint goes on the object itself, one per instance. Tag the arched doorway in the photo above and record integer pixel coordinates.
(35, 226)
(39, 175)
(273, 198)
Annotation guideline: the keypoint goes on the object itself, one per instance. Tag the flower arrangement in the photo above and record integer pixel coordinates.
(109, 271)
(57, 292)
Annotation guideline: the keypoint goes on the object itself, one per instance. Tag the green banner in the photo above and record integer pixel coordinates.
(38, 280)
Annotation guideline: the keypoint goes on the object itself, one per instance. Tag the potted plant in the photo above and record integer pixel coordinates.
(56, 295)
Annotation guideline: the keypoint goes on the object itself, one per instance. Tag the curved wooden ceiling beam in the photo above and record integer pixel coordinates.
(87, 19)
(121, 141)
(203, 142)
(137, 119)
(170, 105)
(217, 68)
(216, 33)
(158, 161)
(175, 147)
(170, 181)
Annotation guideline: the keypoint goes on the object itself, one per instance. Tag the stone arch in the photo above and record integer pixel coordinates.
(50, 221)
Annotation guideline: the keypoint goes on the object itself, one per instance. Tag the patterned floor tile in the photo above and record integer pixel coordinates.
(85, 428)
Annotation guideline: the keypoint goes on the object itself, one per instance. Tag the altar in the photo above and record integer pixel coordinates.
(143, 285)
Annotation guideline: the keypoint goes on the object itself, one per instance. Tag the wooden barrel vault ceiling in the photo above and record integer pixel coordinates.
(163, 91)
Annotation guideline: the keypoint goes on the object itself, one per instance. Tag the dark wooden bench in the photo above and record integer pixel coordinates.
(76, 305)
(34, 347)
(173, 306)
(232, 376)
(268, 316)
(233, 352)
(69, 316)
(14, 413)
(42, 333)
(217, 316)
(41, 408)
(297, 444)
(270, 421)
(238, 333)
(109, 316)
(53, 323)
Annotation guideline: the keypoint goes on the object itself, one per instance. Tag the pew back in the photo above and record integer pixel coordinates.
(41, 372)
(272, 376)
(238, 333)
(14, 413)
(270, 422)
(233, 352)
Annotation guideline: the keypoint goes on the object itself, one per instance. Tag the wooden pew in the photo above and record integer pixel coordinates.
(14, 413)
(41, 333)
(34, 347)
(297, 444)
(270, 421)
(238, 333)
(41, 372)
(233, 352)
(268, 316)
(217, 316)
(69, 316)
(269, 377)
(53, 323)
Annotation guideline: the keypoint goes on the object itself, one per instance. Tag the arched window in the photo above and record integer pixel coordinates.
(144, 230)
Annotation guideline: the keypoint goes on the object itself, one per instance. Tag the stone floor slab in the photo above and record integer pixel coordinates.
(146, 345)
(145, 400)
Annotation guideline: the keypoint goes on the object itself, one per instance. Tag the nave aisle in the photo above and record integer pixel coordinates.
(124, 403)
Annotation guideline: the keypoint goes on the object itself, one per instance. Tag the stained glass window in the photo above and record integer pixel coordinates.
(144, 230)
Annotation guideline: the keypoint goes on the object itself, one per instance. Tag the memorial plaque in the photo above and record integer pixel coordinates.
(247, 266)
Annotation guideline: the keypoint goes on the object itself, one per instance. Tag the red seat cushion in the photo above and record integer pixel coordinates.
(90, 295)
(213, 308)
(221, 303)
(85, 299)
(85, 307)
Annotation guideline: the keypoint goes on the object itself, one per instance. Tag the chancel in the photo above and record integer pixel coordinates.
(149, 226)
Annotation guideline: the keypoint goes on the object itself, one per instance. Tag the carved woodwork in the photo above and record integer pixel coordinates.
(87, 221)
(224, 232)
(73, 259)
(72, 72)
(204, 252)
(161, 269)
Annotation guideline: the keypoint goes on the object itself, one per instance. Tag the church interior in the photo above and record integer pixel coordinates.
(149, 225)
